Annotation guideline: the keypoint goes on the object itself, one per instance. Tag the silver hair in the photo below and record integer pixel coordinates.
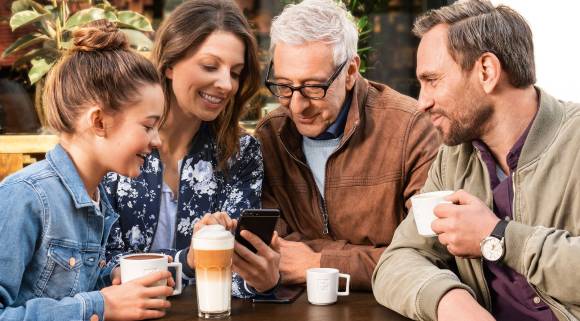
(317, 21)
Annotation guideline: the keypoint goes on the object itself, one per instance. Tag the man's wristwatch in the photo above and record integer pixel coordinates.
(493, 246)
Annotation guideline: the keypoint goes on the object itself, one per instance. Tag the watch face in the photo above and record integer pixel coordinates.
(492, 249)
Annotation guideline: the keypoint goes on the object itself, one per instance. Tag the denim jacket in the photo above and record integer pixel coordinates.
(53, 243)
(202, 189)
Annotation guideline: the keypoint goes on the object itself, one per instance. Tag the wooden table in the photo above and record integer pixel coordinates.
(358, 306)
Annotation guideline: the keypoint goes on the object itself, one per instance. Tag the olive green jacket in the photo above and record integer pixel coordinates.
(542, 241)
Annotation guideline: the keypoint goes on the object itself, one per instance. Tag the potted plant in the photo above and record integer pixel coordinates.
(51, 26)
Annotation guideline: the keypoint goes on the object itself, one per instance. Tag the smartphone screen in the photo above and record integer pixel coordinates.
(260, 222)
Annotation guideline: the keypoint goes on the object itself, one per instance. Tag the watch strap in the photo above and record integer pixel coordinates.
(499, 230)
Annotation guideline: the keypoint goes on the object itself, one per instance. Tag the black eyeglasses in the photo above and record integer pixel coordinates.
(314, 91)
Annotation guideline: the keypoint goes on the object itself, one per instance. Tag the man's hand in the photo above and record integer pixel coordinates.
(296, 258)
(462, 226)
(459, 305)
(261, 269)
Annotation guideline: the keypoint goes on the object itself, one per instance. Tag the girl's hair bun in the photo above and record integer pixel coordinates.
(99, 35)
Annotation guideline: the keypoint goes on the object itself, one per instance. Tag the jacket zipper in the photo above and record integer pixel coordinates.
(486, 291)
(321, 204)
(519, 219)
(324, 210)
(551, 304)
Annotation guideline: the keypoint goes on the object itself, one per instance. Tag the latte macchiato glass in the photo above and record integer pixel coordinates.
(213, 248)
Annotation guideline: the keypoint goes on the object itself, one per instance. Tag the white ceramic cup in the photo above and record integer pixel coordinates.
(322, 285)
(423, 205)
(134, 266)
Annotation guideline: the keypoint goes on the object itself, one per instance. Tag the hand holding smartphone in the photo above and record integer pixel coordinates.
(260, 222)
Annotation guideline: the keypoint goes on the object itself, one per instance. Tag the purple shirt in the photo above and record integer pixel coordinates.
(512, 297)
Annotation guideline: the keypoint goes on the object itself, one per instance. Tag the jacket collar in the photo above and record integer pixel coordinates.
(68, 174)
(292, 139)
(544, 128)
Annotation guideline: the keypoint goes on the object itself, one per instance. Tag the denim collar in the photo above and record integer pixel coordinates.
(336, 129)
(68, 174)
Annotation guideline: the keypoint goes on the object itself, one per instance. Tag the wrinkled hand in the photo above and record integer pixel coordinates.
(295, 259)
(462, 226)
(261, 269)
(459, 305)
(221, 218)
(137, 299)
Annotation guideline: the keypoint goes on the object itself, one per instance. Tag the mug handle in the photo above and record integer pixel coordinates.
(347, 289)
(178, 285)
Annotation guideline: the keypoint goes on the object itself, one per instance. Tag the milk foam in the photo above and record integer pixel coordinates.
(213, 237)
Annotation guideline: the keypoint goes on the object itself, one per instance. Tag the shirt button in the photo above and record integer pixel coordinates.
(72, 262)
(537, 300)
(94, 317)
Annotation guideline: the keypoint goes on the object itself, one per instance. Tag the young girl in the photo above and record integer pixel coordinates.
(207, 58)
(106, 104)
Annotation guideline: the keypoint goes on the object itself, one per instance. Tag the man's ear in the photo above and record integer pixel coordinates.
(489, 71)
(352, 72)
(98, 121)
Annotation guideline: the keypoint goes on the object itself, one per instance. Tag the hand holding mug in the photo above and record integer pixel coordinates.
(138, 299)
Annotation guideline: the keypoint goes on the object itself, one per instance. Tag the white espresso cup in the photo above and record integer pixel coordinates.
(423, 205)
(134, 266)
(322, 285)
(213, 250)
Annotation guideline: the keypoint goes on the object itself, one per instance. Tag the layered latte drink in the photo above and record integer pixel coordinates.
(213, 248)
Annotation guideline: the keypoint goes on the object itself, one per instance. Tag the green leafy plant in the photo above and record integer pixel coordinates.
(52, 25)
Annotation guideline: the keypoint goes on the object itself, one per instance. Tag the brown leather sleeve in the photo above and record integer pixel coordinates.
(421, 148)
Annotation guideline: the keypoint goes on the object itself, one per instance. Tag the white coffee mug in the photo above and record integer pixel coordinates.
(423, 205)
(134, 266)
(322, 285)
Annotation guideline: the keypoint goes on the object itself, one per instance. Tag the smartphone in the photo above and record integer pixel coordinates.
(283, 294)
(260, 221)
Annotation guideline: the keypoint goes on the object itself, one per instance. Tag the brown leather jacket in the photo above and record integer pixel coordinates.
(382, 160)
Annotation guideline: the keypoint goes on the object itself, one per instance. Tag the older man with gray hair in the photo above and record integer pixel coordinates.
(342, 155)
(507, 245)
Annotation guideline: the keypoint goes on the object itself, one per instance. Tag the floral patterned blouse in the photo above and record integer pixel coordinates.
(202, 189)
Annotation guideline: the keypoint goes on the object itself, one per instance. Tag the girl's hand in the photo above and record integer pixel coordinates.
(138, 299)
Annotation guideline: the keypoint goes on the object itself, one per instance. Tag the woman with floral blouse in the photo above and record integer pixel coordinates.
(207, 59)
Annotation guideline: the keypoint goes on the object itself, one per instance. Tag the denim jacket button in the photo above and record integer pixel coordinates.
(94, 317)
(102, 263)
(72, 262)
